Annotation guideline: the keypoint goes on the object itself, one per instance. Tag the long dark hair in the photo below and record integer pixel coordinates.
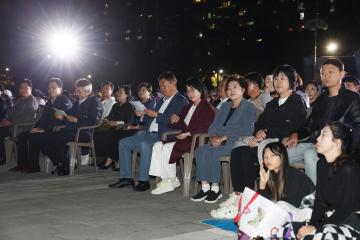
(276, 182)
(342, 133)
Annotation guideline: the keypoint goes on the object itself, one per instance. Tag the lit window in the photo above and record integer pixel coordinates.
(212, 26)
(241, 13)
(302, 15)
(226, 3)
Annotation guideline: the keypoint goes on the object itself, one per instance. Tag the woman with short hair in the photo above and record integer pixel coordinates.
(234, 119)
(194, 118)
(282, 116)
(24, 111)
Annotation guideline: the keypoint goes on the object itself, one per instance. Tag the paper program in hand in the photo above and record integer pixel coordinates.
(138, 106)
(61, 112)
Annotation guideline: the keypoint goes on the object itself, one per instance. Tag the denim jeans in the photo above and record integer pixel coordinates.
(305, 152)
(143, 141)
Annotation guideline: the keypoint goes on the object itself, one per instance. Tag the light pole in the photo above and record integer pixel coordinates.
(314, 25)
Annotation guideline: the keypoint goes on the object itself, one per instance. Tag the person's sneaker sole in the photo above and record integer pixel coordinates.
(214, 201)
(158, 193)
(199, 199)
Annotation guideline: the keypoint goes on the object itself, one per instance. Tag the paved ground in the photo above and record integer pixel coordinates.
(45, 207)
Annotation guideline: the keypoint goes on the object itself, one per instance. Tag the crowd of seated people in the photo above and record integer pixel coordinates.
(263, 125)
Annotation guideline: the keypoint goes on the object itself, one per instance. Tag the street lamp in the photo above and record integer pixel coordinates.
(89, 76)
(315, 25)
(331, 47)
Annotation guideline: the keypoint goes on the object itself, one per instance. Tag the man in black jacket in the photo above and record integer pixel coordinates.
(334, 104)
(87, 111)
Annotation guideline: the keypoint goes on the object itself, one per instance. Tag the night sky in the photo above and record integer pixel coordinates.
(130, 41)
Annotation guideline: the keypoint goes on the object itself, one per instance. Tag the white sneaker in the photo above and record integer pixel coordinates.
(229, 212)
(176, 183)
(85, 159)
(163, 187)
(231, 201)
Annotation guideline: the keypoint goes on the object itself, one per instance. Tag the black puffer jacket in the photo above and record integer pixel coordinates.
(346, 110)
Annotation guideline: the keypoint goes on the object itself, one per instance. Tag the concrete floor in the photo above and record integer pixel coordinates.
(45, 207)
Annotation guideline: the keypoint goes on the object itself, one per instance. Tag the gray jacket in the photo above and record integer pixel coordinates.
(24, 111)
(241, 123)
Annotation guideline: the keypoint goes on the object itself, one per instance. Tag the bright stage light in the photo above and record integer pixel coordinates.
(332, 47)
(63, 44)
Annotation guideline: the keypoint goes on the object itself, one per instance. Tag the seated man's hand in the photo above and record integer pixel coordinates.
(174, 119)
(71, 119)
(261, 134)
(254, 141)
(37, 130)
(291, 141)
(151, 113)
(59, 116)
(139, 114)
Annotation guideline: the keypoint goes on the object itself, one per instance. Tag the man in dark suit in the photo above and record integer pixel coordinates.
(28, 142)
(172, 103)
(87, 111)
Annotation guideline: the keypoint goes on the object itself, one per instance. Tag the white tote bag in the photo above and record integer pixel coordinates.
(260, 216)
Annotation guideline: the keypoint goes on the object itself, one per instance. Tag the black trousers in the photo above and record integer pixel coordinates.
(242, 167)
(53, 144)
(29, 148)
(4, 132)
(107, 142)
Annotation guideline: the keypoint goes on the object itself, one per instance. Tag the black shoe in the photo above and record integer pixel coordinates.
(123, 182)
(213, 196)
(63, 171)
(142, 186)
(200, 196)
(104, 167)
(15, 169)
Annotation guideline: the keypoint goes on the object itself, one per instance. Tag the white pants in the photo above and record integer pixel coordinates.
(160, 157)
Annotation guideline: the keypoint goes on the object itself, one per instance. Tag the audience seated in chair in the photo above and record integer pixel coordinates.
(107, 100)
(222, 94)
(28, 142)
(335, 213)
(234, 119)
(24, 111)
(255, 85)
(281, 117)
(334, 104)
(172, 103)
(194, 118)
(278, 181)
(87, 111)
(122, 122)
